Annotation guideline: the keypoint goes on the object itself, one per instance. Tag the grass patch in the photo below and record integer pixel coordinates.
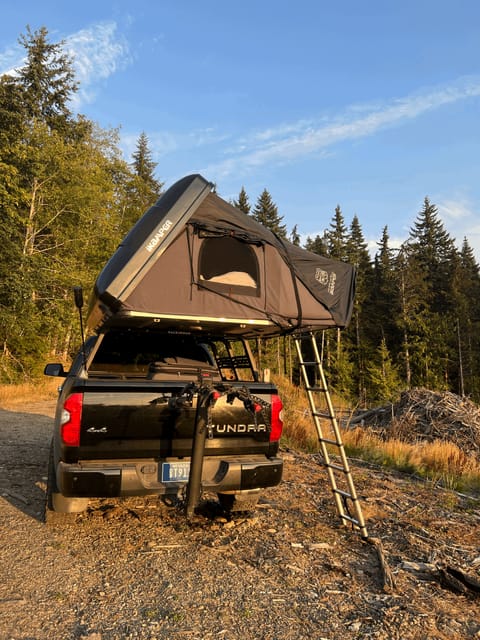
(439, 461)
(15, 395)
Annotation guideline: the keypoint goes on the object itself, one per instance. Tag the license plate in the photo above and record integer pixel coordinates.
(175, 471)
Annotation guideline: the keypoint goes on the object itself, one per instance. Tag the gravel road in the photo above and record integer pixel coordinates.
(136, 569)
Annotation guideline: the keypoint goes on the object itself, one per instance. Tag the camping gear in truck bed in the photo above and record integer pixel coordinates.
(182, 369)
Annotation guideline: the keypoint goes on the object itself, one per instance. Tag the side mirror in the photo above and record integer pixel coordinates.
(55, 369)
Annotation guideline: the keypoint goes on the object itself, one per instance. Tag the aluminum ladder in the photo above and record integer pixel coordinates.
(338, 470)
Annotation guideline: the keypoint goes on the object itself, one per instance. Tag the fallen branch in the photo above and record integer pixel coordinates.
(449, 577)
(387, 576)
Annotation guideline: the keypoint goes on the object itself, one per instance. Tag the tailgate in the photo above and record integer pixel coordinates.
(143, 420)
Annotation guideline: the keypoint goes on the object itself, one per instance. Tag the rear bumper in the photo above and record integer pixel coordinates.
(102, 479)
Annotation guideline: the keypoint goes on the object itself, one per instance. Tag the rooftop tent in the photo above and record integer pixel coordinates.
(194, 261)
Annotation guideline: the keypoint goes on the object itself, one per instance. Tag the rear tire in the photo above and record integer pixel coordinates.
(58, 508)
(237, 502)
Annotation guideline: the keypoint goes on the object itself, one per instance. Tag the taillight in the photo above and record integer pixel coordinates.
(71, 419)
(277, 419)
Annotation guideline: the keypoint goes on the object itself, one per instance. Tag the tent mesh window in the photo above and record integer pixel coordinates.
(229, 265)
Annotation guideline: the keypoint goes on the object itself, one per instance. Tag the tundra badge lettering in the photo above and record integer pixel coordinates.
(95, 430)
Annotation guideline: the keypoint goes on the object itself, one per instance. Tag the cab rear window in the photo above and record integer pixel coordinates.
(136, 352)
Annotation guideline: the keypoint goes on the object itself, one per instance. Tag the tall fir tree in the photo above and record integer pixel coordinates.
(143, 164)
(58, 207)
(142, 188)
(432, 252)
(384, 297)
(318, 245)
(356, 253)
(47, 80)
(266, 212)
(336, 236)
(468, 322)
(295, 236)
(243, 202)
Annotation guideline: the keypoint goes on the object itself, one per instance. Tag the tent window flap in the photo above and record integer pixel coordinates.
(226, 263)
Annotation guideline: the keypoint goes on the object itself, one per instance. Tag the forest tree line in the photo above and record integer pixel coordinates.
(68, 197)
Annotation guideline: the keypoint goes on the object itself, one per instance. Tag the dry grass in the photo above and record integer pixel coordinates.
(24, 394)
(440, 461)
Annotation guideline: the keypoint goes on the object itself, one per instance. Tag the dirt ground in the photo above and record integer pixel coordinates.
(136, 569)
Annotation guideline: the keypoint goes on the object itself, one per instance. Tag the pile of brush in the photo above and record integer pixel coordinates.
(423, 415)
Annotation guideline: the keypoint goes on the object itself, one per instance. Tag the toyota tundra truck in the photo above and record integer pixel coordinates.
(172, 413)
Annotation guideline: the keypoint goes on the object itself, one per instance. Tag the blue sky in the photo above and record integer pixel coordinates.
(369, 105)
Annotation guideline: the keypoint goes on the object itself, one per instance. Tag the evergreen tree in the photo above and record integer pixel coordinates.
(243, 202)
(434, 252)
(142, 188)
(383, 376)
(295, 236)
(143, 165)
(60, 180)
(12, 121)
(468, 322)
(356, 253)
(318, 245)
(384, 297)
(413, 315)
(265, 212)
(337, 236)
(46, 81)
(469, 262)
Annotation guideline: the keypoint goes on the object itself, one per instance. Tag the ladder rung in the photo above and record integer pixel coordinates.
(336, 467)
(321, 414)
(329, 441)
(344, 494)
(350, 519)
(308, 363)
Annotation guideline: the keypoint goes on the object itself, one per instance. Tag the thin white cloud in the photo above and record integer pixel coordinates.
(10, 59)
(455, 209)
(461, 221)
(164, 143)
(291, 141)
(97, 53)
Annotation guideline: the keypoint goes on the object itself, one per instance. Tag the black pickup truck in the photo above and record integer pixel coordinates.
(140, 407)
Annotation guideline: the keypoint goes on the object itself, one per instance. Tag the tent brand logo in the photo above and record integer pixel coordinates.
(158, 236)
(326, 279)
(321, 276)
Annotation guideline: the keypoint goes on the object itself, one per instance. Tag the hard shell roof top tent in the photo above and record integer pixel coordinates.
(196, 262)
